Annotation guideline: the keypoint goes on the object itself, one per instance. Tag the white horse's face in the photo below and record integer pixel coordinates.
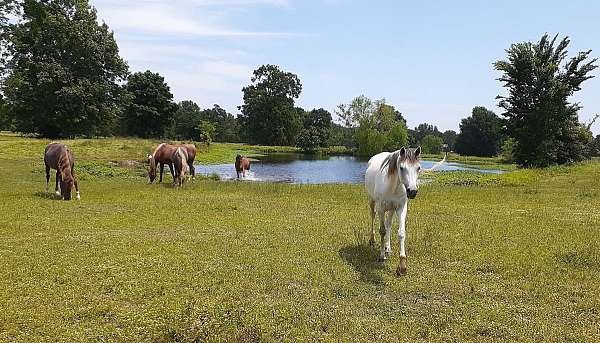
(409, 168)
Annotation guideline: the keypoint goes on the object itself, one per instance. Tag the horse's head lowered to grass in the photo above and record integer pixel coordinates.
(405, 165)
(151, 169)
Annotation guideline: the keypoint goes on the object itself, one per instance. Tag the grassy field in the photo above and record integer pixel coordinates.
(496, 258)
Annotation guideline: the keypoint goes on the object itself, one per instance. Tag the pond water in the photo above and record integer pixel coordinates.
(300, 168)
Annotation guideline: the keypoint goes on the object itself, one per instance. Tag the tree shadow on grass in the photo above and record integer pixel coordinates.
(364, 260)
(48, 195)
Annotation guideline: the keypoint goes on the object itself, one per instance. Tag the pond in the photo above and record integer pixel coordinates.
(300, 168)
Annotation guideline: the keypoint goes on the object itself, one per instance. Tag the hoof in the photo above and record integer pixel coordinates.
(401, 270)
(372, 242)
(57, 193)
(382, 259)
(78, 196)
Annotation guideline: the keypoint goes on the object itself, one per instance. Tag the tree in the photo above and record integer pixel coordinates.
(207, 131)
(268, 113)
(63, 70)
(377, 126)
(425, 129)
(151, 109)
(186, 120)
(5, 121)
(539, 116)
(432, 144)
(480, 134)
(449, 138)
(226, 125)
(317, 129)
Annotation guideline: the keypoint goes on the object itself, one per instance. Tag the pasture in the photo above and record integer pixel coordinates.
(495, 258)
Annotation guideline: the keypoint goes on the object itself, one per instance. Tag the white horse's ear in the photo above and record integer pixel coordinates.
(402, 153)
(418, 152)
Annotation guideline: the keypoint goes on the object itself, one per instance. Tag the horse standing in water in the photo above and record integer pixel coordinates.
(242, 164)
(180, 165)
(57, 156)
(390, 180)
(163, 155)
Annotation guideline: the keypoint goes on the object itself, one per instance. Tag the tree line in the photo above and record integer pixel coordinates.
(62, 76)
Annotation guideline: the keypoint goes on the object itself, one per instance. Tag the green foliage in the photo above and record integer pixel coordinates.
(6, 123)
(538, 114)
(368, 139)
(226, 125)
(449, 137)
(185, 121)
(508, 150)
(316, 131)
(396, 137)
(376, 126)
(151, 109)
(207, 131)
(268, 114)
(480, 134)
(594, 147)
(63, 70)
(431, 144)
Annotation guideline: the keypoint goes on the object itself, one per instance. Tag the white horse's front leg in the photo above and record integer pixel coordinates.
(401, 236)
(388, 233)
(382, 232)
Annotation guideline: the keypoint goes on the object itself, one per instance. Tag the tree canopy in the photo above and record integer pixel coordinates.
(63, 70)
(268, 113)
(539, 117)
(480, 134)
(151, 109)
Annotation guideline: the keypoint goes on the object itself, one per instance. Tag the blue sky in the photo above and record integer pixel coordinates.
(432, 60)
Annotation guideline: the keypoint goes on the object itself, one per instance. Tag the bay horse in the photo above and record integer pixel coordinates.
(59, 157)
(242, 164)
(163, 155)
(180, 165)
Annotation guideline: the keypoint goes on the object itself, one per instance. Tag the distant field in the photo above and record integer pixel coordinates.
(490, 258)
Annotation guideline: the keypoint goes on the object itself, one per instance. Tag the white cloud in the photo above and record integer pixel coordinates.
(172, 19)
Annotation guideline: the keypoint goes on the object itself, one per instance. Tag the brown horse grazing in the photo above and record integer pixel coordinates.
(242, 163)
(163, 155)
(179, 158)
(57, 156)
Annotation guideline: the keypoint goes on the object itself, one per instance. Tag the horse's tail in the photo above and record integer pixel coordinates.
(183, 158)
(438, 164)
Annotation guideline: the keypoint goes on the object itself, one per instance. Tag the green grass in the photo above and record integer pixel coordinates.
(514, 259)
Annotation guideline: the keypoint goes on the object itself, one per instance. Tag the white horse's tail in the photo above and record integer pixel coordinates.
(438, 164)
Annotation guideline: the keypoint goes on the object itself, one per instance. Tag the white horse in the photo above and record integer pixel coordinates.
(390, 180)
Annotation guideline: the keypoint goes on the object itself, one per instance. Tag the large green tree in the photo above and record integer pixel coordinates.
(63, 70)
(268, 112)
(316, 131)
(539, 117)
(480, 134)
(376, 125)
(151, 108)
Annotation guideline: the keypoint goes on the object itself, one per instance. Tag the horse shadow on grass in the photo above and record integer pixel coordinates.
(364, 259)
(48, 195)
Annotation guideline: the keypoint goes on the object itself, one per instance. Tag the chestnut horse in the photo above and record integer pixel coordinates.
(163, 155)
(57, 156)
(242, 163)
(180, 165)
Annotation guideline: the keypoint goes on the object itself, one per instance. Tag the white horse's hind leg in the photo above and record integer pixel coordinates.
(372, 234)
(401, 236)
(382, 232)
